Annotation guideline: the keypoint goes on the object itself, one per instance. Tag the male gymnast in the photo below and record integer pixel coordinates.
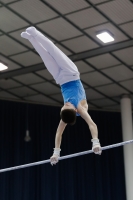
(66, 74)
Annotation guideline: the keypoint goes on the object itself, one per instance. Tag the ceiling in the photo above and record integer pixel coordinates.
(106, 69)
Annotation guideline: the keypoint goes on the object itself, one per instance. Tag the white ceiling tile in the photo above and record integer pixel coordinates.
(103, 102)
(128, 28)
(83, 67)
(7, 95)
(85, 86)
(8, 1)
(112, 90)
(34, 11)
(8, 46)
(58, 97)
(9, 21)
(113, 107)
(80, 44)
(59, 29)
(103, 61)
(119, 73)
(45, 73)
(8, 83)
(118, 35)
(98, 1)
(126, 55)
(29, 78)
(86, 18)
(46, 88)
(11, 65)
(23, 91)
(128, 84)
(95, 79)
(27, 59)
(65, 51)
(119, 11)
(17, 36)
(68, 6)
(92, 94)
(41, 99)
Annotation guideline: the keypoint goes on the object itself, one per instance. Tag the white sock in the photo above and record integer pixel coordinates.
(32, 31)
(26, 35)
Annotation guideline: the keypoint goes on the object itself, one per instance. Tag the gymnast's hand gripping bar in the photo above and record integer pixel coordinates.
(64, 157)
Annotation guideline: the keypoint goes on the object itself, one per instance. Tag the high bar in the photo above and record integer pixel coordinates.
(64, 157)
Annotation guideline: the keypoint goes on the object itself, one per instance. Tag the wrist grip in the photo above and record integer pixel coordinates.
(57, 151)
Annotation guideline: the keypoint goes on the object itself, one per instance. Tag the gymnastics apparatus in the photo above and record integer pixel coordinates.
(65, 157)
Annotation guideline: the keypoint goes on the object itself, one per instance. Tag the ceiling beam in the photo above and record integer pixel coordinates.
(21, 71)
(74, 58)
(101, 50)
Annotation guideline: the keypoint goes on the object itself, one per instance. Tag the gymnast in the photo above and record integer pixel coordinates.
(66, 74)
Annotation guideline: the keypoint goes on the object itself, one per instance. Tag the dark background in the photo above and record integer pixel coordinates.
(90, 176)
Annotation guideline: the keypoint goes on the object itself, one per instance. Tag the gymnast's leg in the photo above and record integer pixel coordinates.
(48, 60)
(62, 60)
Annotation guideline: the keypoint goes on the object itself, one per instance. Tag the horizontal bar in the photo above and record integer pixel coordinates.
(65, 157)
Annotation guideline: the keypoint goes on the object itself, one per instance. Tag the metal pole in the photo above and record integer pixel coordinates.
(64, 157)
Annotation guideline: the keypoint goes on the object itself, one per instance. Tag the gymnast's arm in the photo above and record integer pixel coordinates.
(83, 111)
(59, 133)
(92, 126)
(58, 138)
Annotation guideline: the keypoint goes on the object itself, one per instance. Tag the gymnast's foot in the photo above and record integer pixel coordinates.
(32, 31)
(26, 35)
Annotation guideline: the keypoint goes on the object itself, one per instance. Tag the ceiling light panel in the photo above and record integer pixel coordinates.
(119, 36)
(11, 65)
(105, 37)
(3, 67)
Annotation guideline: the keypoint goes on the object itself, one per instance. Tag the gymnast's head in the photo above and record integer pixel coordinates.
(68, 113)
